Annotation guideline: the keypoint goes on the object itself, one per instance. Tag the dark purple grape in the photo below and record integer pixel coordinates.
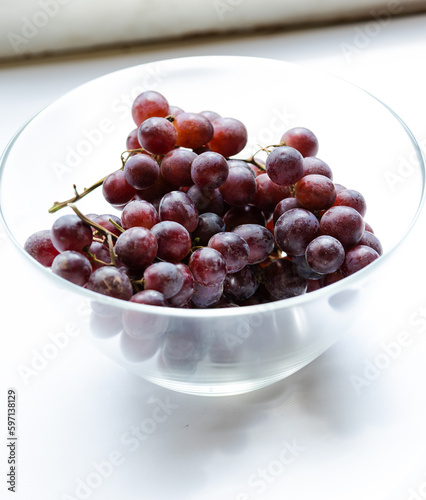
(148, 104)
(284, 165)
(313, 165)
(116, 190)
(268, 194)
(247, 214)
(282, 280)
(233, 248)
(136, 247)
(207, 200)
(72, 266)
(182, 297)
(194, 130)
(369, 239)
(284, 206)
(357, 258)
(209, 170)
(302, 139)
(108, 280)
(259, 240)
(139, 213)
(315, 192)
(208, 225)
(295, 229)
(176, 167)
(174, 241)
(208, 267)
(157, 135)
(206, 296)
(325, 254)
(351, 198)
(344, 223)
(141, 171)
(164, 277)
(178, 207)
(239, 188)
(104, 221)
(229, 136)
(100, 253)
(240, 285)
(69, 232)
(39, 245)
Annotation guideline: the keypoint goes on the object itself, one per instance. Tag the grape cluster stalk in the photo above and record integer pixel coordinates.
(194, 226)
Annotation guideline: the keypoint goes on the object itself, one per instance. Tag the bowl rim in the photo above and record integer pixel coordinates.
(209, 313)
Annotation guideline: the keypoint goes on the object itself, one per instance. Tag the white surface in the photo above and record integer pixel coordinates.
(337, 429)
(46, 26)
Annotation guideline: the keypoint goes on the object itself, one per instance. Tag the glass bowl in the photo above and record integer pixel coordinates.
(78, 139)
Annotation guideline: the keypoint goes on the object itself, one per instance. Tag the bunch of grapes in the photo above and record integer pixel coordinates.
(200, 228)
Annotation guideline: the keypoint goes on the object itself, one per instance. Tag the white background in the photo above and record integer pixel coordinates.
(313, 435)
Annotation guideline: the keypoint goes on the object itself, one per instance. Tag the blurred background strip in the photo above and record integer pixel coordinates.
(36, 28)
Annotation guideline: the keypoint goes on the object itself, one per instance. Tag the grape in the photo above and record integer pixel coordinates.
(209, 170)
(344, 223)
(282, 280)
(240, 285)
(229, 136)
(148, 104)
(208, 225)
(178, 207)
(208, 267)
(357, 258)
(100, 252)
(141, 171)
(313, 165)
(174, 241)
(247, 214)
(331, 278)
(104, 221)
(269, 194)
(295, 229)
(116, 190)
(163, 277)
(351, 198)
(136, 247)
(325, 254)
(259, 240)
(72, 266)
(157, 135)
(302, 139)
(132, 140)
(142, 325)
(239, 188)
(284, 165)
(211, 115)
(139, 213)
(193, 130)
(182, 297)
(69, 232)
(283, 206)
(233, 248)
(176, 167)
(154, 193)
(303, 268)
(368, 228)
(371, 240)
(207, 200)
(39, 245)
(206, 296)
(240, 163)
(108, 280)
(175, 110)
(315, 192)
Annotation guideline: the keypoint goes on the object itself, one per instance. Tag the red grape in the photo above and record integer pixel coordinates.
(295, 229)
(229, 136)
(139, 213)
(193, 130)
(282, 280)
(325, 254)
(209, 170)
(136, 247)
(351, 198)
(315, 192)
(148, 104)
(233, 248)
(178, 207)
(344, 223)
(357, 258)
(157, 135)
(141, 171)
(239, 188)
(302, 139)
(174, 241)
(69, 232)
(176, 167)
(39, 245)
(284, 165)
(72, 266)
(208, 267)
(108, 280)
(116, 190)
(259, 240)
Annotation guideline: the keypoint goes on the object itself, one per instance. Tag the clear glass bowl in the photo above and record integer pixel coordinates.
(79, 138)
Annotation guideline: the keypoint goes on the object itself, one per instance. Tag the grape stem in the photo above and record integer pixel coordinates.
(57, 205)
(85, 219)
